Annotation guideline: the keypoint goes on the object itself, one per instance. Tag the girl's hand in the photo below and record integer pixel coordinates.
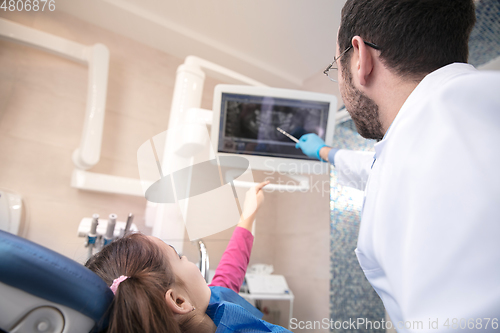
(253, 200)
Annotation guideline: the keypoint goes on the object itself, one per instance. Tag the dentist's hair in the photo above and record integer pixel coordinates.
(415, 37)
(139, 304)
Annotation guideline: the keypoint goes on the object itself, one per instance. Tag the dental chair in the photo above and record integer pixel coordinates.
(43, 291)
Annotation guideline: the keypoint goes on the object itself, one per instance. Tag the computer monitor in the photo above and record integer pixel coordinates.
(246, 118)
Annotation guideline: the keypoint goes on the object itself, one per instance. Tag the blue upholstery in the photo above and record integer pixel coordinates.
(46, 274)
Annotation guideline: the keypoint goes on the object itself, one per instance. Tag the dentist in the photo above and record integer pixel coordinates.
(430, 227)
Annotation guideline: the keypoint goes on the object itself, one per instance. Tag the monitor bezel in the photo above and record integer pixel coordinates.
(275, 164)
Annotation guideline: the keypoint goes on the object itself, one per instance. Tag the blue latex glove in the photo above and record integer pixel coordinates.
(311, 144)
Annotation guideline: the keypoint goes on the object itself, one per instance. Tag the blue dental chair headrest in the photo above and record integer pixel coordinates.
(51, 276)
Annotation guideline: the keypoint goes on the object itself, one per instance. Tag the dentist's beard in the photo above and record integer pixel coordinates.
(362, 109)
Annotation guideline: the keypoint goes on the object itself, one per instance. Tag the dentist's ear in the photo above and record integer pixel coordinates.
(177, 303)
(365, 61)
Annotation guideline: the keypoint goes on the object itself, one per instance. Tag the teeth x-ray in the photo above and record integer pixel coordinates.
(248, 124)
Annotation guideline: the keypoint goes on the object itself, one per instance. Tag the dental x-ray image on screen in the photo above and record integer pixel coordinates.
(248, 124)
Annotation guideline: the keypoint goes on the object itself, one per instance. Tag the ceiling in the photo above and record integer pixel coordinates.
(279, 42)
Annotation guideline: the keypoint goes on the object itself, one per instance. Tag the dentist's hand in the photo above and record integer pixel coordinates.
(311, 144)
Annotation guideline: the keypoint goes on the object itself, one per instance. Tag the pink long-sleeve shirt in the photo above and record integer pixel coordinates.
(232, 267)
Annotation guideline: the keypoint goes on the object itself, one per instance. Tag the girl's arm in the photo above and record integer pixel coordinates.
(232, 267)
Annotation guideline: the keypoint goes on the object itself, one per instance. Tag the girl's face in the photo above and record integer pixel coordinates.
(197, 290)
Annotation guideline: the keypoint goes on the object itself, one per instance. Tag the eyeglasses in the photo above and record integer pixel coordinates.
(334, 66)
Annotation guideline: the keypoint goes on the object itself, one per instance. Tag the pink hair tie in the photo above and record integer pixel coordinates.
(116, 283)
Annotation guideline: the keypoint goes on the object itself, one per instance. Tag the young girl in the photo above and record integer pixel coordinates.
(156, 290)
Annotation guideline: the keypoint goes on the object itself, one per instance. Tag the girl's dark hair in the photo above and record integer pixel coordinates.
(139, 304)
(416, 37)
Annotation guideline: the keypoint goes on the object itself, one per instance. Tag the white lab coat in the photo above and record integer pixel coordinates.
(429, 240)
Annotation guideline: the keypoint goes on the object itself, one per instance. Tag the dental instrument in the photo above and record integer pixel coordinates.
(100, 232)
(92, 235)
(108, 238)
(130, 218)
(291, 137)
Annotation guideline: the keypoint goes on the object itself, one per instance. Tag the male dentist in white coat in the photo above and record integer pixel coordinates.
(429, 240)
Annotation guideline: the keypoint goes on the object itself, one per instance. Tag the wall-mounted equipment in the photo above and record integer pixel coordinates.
(12, 212)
